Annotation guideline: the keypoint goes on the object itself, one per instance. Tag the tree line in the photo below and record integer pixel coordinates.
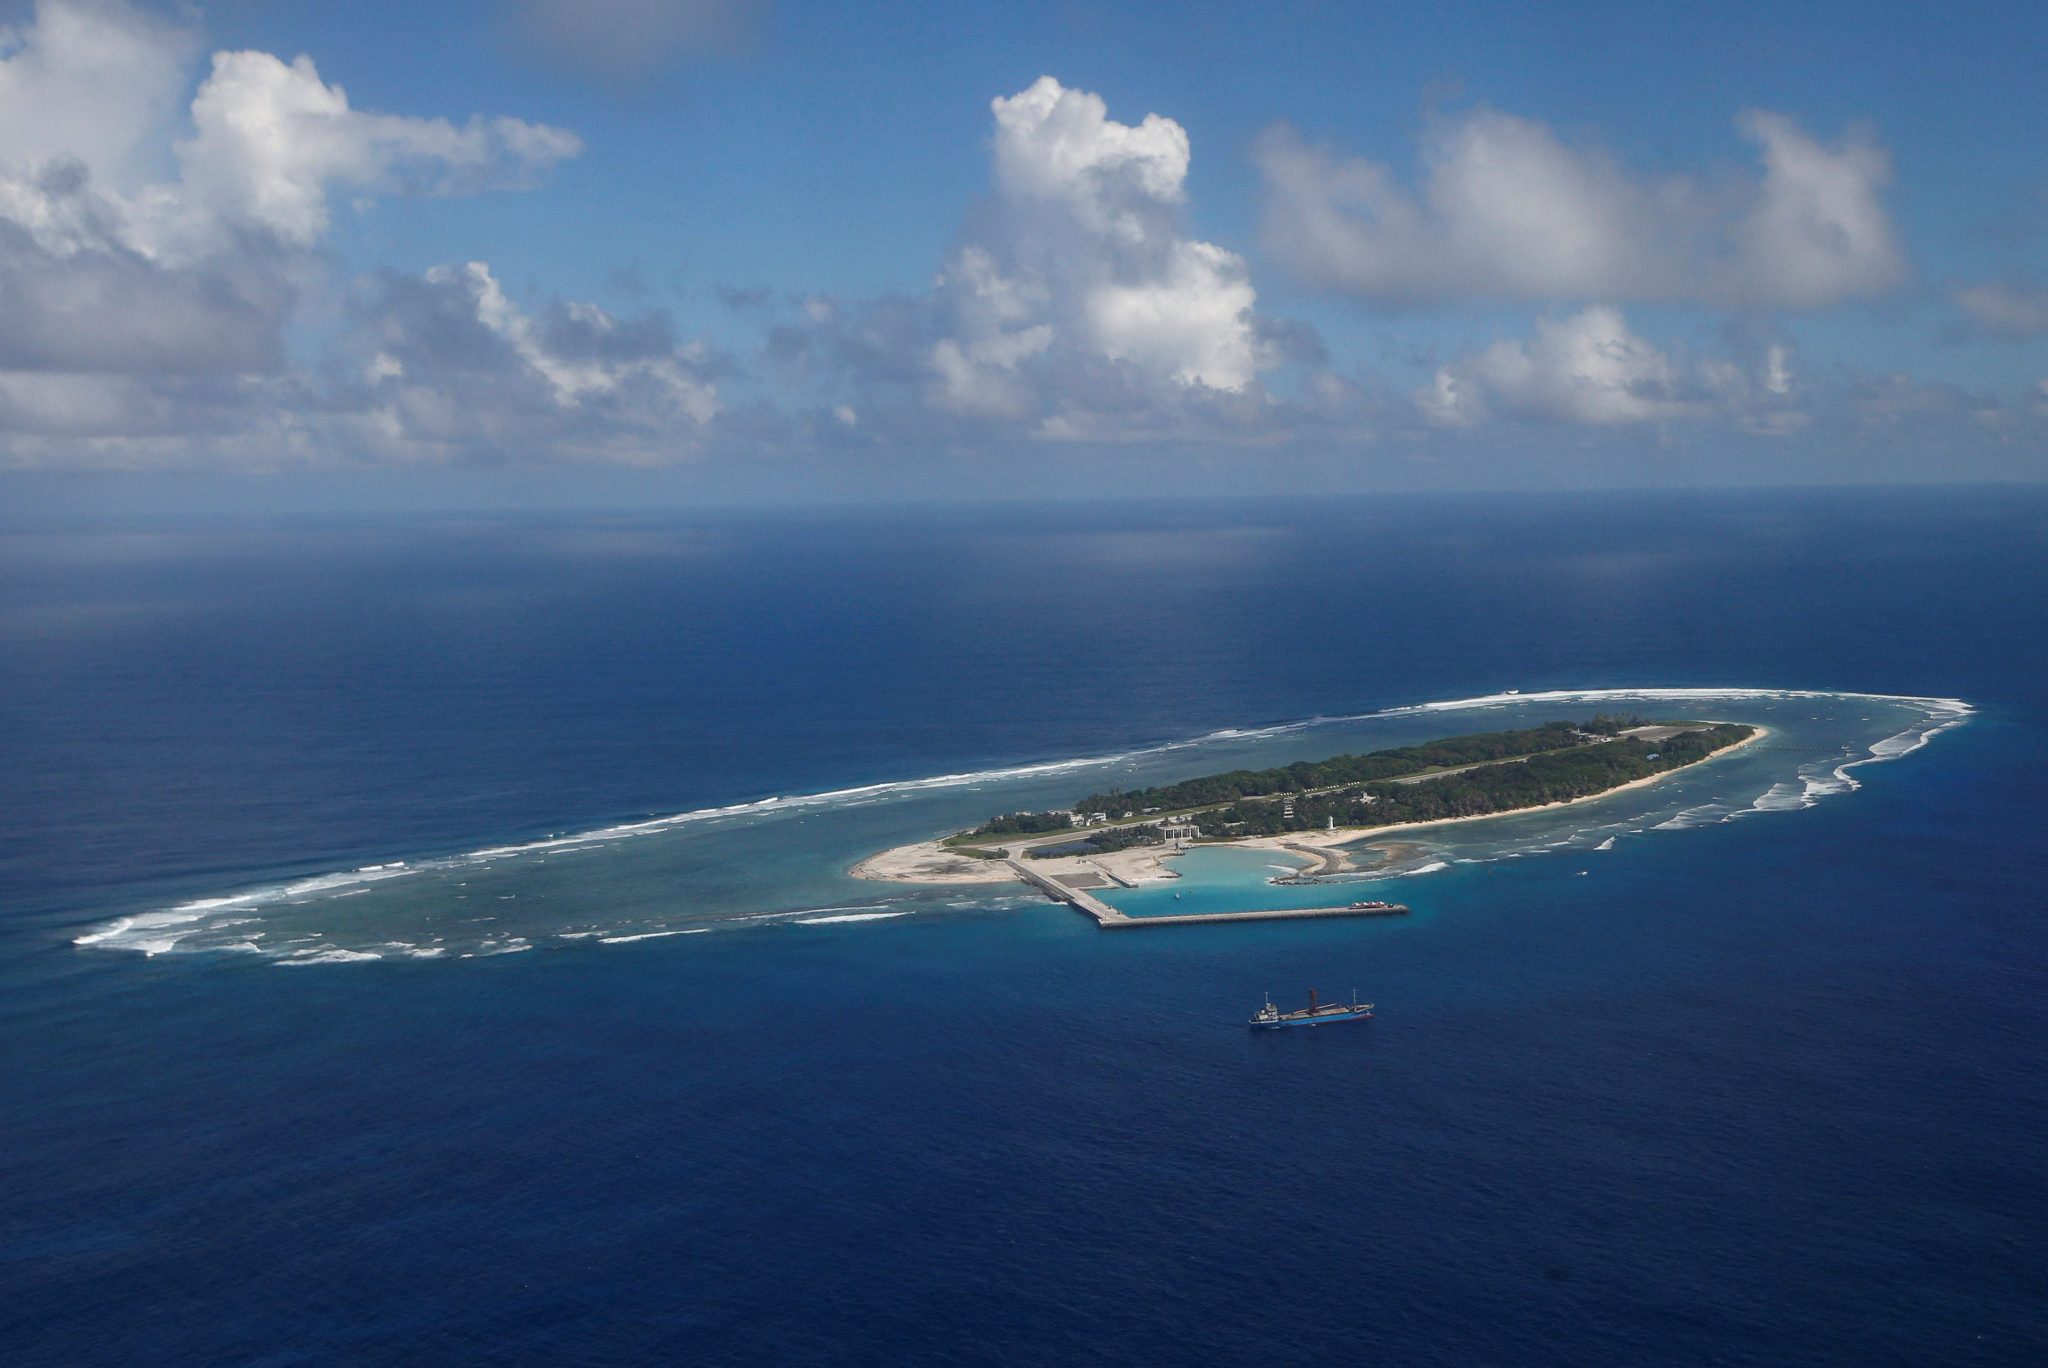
(1551, 778)
(1304, 775)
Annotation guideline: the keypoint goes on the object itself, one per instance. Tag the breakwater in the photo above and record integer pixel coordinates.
(1109, 919)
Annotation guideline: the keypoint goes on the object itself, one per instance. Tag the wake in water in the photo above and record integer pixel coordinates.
(780, 860)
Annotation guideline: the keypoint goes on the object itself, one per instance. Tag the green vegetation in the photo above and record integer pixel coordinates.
(1550, 777)
(1020, 824)
(1308, 775)
(1102, 840)
(1461, 776)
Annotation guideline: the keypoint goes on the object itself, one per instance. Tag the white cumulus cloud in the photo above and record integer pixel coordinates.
(1191, 322)
(1505, 208)
(90, 82)
(1590, 369)
(1060, 145)
(157, 225)
(462, 369)
(1815, 229)
(1082, 259)
(90, 97)
(1586, 368)
(272, 140)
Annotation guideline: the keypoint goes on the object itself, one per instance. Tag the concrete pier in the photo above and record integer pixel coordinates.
(1258, 914)
(1087, 902)
(1109, 919)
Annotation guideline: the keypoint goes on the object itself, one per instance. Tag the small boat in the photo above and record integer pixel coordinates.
(1375, 906)
(1271, 1018)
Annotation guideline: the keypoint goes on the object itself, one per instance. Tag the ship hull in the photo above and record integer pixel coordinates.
(1319, 1019)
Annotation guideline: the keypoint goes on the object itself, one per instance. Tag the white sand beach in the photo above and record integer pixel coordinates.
(931, 862)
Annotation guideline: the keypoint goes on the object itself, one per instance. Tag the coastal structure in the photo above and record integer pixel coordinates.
(1311, 811)
(1110, 919)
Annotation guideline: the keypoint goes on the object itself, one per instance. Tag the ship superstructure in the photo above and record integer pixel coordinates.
(1271, 1018)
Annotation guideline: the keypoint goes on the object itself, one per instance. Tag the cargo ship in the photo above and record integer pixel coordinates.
(1271, 1018)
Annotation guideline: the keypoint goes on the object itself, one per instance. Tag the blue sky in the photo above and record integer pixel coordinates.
(714, 249)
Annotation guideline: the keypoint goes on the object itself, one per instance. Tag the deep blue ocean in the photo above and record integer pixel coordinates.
(1750, 1092)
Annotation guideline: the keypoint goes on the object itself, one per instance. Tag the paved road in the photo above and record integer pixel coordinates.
(1482, 764)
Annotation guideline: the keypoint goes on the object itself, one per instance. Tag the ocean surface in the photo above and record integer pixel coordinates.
(428, 940)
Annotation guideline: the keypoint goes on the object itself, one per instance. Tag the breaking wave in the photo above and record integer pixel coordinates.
(332, 956)
(848, 917)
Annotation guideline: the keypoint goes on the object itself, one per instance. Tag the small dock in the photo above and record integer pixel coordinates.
(1109, 919)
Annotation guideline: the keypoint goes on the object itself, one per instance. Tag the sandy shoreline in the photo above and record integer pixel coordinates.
(929, 862)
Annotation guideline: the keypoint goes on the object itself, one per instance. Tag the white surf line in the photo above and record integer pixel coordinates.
(848, 917)
(335, 955)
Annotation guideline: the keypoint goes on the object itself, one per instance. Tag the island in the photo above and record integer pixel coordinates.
(1312, 811)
